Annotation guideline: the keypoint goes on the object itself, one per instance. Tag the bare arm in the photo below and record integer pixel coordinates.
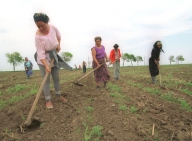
(107, 60)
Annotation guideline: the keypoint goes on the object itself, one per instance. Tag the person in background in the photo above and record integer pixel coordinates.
(47, 39)
(114, 57)
(154, 60)
(84, 66)
(76, 67)
(28, 67)
(79, 67)
(99, 61)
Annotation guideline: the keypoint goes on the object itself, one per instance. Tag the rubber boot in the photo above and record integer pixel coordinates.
(153, 79)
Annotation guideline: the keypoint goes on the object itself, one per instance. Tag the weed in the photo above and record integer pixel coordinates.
(113, 95)
(123, 107)
(145, 110)
(42, 124)
(16, 88)
(184, 104)
(89, 109)
(153, 91)
(95, 133)
(133, 109)
(23, 117)
(2, 104)
(89, 117)
(188, 84)
(186, 91)
(168, 97)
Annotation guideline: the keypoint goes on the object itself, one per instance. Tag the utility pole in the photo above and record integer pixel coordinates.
(144, 61)
(89, 63)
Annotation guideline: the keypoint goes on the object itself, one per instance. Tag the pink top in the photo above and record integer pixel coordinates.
(45, 43)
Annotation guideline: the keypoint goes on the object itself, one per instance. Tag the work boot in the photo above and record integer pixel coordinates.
(153, 79)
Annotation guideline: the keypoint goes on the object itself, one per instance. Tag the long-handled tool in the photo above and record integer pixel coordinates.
(28, 122)
(76, 82)
(160, 77)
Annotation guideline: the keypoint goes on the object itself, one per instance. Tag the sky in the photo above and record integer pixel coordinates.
(134, 25)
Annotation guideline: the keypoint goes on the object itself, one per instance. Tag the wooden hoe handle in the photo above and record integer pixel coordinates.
(28, 121)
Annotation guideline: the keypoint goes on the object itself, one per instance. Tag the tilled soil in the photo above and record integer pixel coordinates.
(68, 121)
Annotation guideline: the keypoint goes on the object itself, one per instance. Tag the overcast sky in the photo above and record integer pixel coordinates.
(133, 24)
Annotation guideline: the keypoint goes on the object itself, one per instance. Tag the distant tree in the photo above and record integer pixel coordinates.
(171, 59)
(125, 57)
(132, 58)
(67, 56)
(14, 58)
(138, 59)
(180, 58)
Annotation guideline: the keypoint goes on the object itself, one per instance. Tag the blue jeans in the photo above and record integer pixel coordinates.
(29, 72)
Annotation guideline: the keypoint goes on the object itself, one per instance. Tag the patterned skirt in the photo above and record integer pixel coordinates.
(101, 74)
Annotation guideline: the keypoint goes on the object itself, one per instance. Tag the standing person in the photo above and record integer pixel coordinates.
(115, 56)
(154, 60)
(75, 67)
(99, 61)
(84, 66)
(47, 39)
(28, 67)
(79, 67)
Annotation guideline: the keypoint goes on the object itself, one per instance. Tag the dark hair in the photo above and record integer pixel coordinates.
(116, 46)
(41, 17)
(96, 38)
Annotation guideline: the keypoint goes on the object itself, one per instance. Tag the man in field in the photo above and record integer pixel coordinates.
(28, 67)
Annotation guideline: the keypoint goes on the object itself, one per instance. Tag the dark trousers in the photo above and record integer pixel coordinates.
(84, 69)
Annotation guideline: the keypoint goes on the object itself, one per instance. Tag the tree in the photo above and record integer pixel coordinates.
(125, 57)
(67, 56)
(132, 58)
(138, 59)
(171, 59)
(14, 58)
(180, 58)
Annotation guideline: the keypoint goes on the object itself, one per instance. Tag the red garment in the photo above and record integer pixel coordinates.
(112, 55)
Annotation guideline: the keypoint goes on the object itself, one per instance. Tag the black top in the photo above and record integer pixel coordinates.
(155, 53)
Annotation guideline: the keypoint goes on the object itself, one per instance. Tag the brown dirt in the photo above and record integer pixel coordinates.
(66, 121)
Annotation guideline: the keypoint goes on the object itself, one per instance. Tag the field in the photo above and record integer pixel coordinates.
(128, 110)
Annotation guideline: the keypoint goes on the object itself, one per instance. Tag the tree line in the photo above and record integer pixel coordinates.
(177, 59)
(16, 59)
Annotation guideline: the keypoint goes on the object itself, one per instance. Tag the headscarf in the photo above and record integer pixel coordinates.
(158, 43)
(41, 17)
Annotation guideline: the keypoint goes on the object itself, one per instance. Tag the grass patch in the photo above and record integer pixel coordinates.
(153, 91)
(94, 135)
(184, 104)
(123, 107)
(186, 91)
(16, 88)
(89, 109)
(169, 97)
(133, 109)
